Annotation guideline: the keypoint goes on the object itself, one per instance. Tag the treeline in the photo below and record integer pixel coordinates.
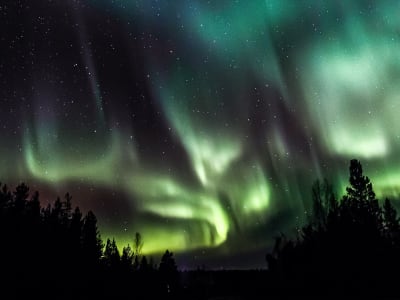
(349, 246)
(55, 248)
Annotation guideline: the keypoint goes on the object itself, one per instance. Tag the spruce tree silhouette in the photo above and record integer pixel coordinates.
(350, 248)
(21, 195)
(66, 209)
(323, 202)
(75, 231)
(56, 245)
(168, 272)
(92, 244)
(33, 208)
(360, 186)
(111, 256)
(391, 221)
(126, 259)
(136, 262)
(167, 264)
(138, 243)
(144, 265)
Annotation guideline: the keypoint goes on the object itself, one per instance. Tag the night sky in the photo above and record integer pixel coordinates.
(200, 124)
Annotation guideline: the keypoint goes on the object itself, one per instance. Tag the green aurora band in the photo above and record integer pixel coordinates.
(231, 69)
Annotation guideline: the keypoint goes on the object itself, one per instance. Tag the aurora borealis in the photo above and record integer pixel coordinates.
(200, 124)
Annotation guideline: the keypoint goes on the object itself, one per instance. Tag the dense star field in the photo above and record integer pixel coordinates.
(200, 124)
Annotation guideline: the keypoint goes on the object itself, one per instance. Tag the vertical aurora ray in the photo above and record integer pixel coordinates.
(89, 66)
(211, 148)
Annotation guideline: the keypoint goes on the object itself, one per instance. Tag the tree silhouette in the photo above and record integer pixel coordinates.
(92, 244)
(66, 209)
(360, 188)
(345, 244)
(323, 202)
(76, 229)
(21, 195)
(126, 259)
(349, 246)
(167, 264)
(55, 244)
(168, 271)
(144, 265)
(111, 256)
(138, 243)
(5, 198)
(391, 221)
(33, 208)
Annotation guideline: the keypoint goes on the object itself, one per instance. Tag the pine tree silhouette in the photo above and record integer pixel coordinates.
(111, 256)
(126, 259)
(168, 272)
(345, 249)
(92, 244)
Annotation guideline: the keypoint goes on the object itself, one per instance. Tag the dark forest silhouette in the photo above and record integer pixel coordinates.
(347, 246)
(57, 251)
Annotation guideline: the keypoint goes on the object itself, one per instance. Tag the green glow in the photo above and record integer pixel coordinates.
(248, 190)
(167, 198)
(186, 236)
(211, 147)
(50, 162)
(258, 97)
(243, 40)
(351, 91)
(387, 183)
